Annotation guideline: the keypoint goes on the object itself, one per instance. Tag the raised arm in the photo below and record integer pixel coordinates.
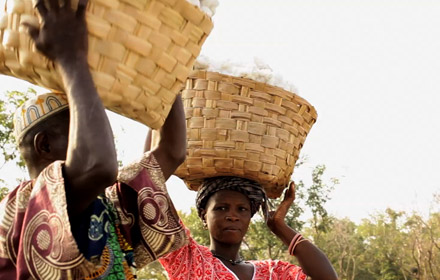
(312, 260)
(171, 150)
(91, 163)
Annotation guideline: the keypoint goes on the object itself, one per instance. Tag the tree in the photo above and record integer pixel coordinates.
(8, 105)
(153, 270)
(3, 192)
(317, 196)
(424, 243)
(260, 242)
(386, 243)
(195, 224)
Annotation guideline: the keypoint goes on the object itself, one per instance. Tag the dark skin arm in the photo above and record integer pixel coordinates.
(171, 150)
(312, 260)
(91, 163)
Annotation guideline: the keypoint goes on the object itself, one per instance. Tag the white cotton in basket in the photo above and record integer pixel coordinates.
(207, 6)
(259, 71)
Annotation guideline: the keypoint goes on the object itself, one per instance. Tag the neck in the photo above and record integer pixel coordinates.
(231, 261)
(35, 170)
(226, 251)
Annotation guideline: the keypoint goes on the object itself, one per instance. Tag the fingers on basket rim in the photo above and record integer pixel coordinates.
(292, 185)
(67, 4)
(32, 30)
(54, 5)
(81, 10)
(290, 191)
(41, 7)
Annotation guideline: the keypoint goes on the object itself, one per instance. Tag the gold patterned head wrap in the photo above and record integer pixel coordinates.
(252, 190)
(35, 110)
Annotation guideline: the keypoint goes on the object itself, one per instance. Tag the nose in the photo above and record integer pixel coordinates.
(232, 216)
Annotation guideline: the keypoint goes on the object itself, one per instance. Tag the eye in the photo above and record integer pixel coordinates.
(220, 208)
(243, 209)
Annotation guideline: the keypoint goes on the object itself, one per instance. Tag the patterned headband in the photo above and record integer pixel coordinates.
(249, 188)
(37, 109)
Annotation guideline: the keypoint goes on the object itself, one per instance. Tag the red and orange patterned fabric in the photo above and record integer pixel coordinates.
(36, 240)
(196, 262)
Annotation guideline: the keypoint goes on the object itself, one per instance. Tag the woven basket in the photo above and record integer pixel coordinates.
(140, 52)
(239, 127)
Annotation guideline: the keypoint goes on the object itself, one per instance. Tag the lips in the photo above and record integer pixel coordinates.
(232, 229)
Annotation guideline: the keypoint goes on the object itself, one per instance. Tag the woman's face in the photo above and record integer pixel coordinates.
(227, 215)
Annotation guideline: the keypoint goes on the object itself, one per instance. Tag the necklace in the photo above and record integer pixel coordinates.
(233, 262)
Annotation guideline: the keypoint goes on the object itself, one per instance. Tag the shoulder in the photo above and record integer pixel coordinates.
(18, 199)
(191, 249)
(146, 165)
(15, 201)
(20, 194)
(23, 185)
(191, 261)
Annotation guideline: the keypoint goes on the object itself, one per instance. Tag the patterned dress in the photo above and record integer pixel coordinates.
(133, 223)
(196, 262)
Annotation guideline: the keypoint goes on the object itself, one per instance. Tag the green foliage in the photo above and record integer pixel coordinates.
(195, 224)
(317, 195)
(260, 243)
(8, 104)
(3, 192)
(392, 245)
(153, 270)
(341, 244)
(386, 238)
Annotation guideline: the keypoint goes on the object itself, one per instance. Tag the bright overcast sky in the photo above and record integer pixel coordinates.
(370, 68)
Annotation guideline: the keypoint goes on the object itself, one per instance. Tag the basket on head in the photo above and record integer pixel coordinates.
(239, 127)
(140, 52)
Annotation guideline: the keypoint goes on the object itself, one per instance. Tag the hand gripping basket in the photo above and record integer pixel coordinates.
(239, 127)
(140, 52)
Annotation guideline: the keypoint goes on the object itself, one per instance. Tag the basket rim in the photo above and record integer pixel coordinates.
(202, 74)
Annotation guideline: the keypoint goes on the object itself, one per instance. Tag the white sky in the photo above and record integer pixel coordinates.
(370, 68)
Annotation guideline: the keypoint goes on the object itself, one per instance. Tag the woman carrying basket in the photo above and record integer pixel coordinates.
(226, 205)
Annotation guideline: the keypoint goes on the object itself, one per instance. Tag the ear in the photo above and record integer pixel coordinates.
(42, 144)
(203, 215)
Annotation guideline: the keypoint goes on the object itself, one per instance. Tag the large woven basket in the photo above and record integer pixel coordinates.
(239, 127)
(140, 52)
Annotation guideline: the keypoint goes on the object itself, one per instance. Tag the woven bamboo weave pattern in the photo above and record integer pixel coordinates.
(140, 52)
(239, 127)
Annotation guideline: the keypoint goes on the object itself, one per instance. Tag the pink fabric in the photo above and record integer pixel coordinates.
(196, 262)
(36, 241)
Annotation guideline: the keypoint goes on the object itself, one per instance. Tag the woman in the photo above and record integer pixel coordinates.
(226, 205)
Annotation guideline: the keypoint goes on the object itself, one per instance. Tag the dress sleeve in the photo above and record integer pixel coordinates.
(277, 270)
(183, 263)
(36, 241)
(148, 219)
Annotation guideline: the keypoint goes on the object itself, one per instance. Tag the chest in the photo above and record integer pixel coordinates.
(243, 271)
